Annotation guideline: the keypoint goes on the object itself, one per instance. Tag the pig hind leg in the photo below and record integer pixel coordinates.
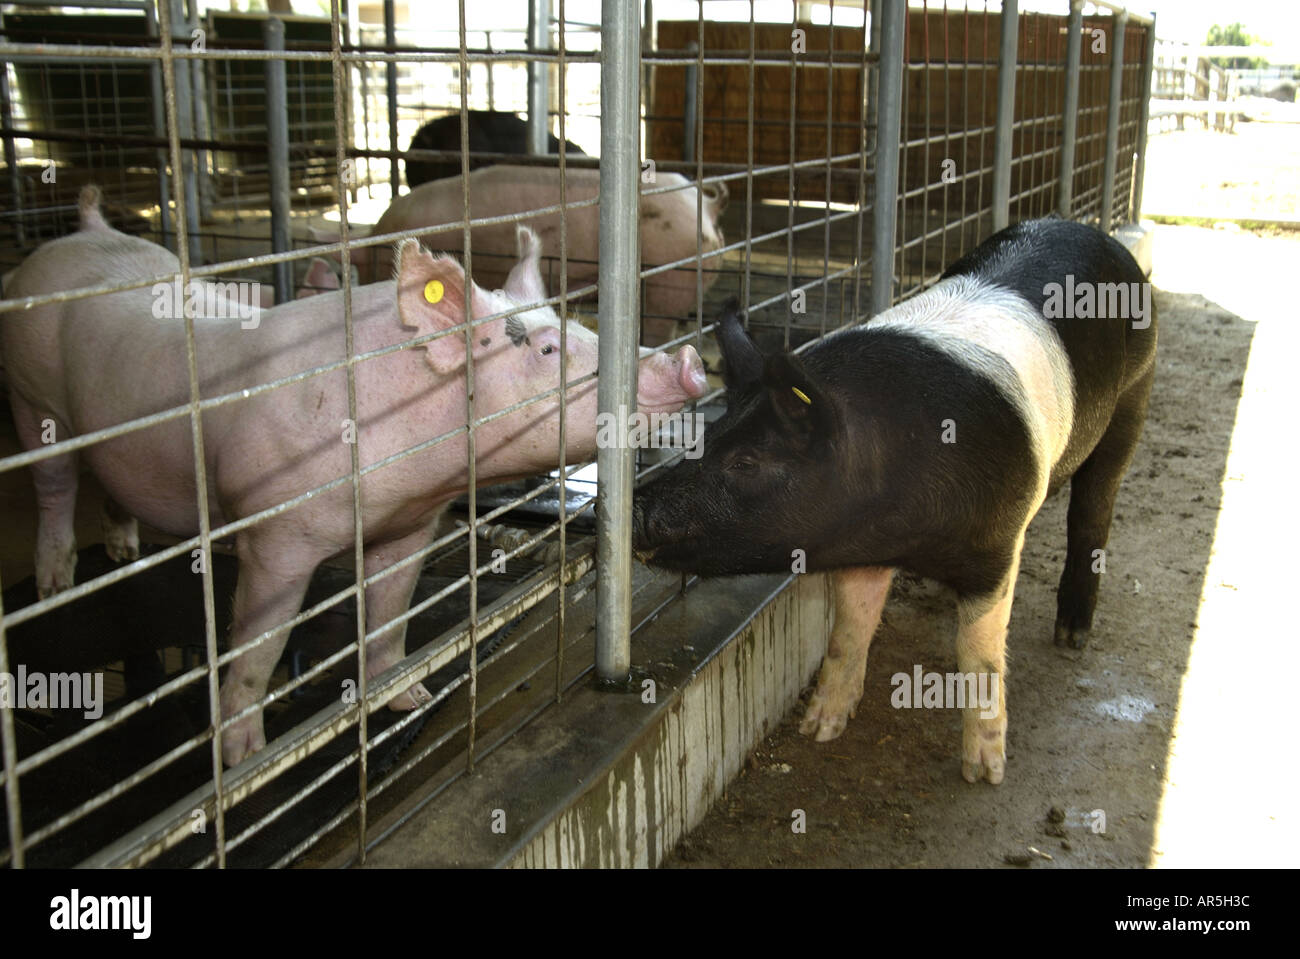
(982, 650)
(860, 594)
(121, 532)
(1092, 503)
(388, 599)
(56, 503)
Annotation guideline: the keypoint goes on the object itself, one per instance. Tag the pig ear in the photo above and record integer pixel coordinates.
(319, 279)
(742, 361)
(524, 283)
(801, 406)
(430, 298)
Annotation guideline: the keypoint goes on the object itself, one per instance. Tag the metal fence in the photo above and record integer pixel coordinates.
(959, 117)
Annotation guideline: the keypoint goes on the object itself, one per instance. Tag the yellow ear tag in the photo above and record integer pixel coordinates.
(433, 291)
(801, 394)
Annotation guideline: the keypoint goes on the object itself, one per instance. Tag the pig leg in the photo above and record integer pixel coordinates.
(982, 650)
(121, 532)
(385, 601)
(273, 579)
(56, 503)
(860, 594)
(1092, 503)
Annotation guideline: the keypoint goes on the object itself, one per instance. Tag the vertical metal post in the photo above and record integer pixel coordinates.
(620, 127)
(690, 105)
(390, 75)
(277, 139)
(1120, 21)
(1006, 114)
(1144, 118)
(11, 153)
(185, 124)
(1070, 110)
(165, 228)
(889, 126)
(539, 31)
(202, 121)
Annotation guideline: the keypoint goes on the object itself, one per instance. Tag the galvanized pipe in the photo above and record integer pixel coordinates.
(277, 139)
(1148, 67)
(202, 120)
(619, 296)
(390, 77)
(889, 125)
(165, 225)
(1112, 119)
(1070, 110)
(184, 96)
(690, 107)
(10, 153)
(1006, 115)
(539, 18)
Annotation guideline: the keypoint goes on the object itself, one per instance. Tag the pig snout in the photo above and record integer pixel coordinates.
(666, 383)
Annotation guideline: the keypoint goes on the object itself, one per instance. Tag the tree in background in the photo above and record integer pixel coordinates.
(1233, 35)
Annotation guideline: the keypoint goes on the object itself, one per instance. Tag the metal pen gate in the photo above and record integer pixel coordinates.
(968, 115)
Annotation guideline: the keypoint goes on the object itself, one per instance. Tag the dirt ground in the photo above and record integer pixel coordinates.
(1157, 743)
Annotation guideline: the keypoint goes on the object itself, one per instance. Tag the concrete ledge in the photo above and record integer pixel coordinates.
(1138, 237)
(604, 779)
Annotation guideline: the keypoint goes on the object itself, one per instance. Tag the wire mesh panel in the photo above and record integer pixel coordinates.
(339, 288)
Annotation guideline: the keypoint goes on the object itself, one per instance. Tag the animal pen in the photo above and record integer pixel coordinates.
(863, 146)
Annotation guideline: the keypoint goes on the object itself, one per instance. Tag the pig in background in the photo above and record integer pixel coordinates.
(490, 131)
(92, 363)
(844, 453)
(668, 230)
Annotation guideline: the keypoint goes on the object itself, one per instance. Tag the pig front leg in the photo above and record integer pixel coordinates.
(982, 650)
(388, 599)
(860, 594)
(274, 574)
(55, 480)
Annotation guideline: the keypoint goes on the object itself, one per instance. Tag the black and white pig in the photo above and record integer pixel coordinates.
(926, 439)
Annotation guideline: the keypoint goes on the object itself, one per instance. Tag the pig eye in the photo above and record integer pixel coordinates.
(742, 465)
(547, 350)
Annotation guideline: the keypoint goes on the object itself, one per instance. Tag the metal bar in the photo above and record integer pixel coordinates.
(1144, 119)
(1002, 148)
(619, 297)
(390, 77)
(165, 225)
(690, 107)
(277, 139)
(184, 102)
(539, 17)
(1112, 119)
(884, 211)
(202, 119)
(10, 152)
(1070, 111)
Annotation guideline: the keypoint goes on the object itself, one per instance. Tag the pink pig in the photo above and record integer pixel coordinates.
(92, 363)
(667, 229)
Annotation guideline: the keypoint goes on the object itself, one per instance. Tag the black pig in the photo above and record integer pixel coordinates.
(926, 440)
(490, 131)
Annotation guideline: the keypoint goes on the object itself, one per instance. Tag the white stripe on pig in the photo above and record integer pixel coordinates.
(973, 322)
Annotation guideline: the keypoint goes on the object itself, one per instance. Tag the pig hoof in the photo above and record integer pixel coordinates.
(242, 740)
(415, 696)
(822, 722)
(57, 576)
(1076, 637)
(984, 755)
(121, 546)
